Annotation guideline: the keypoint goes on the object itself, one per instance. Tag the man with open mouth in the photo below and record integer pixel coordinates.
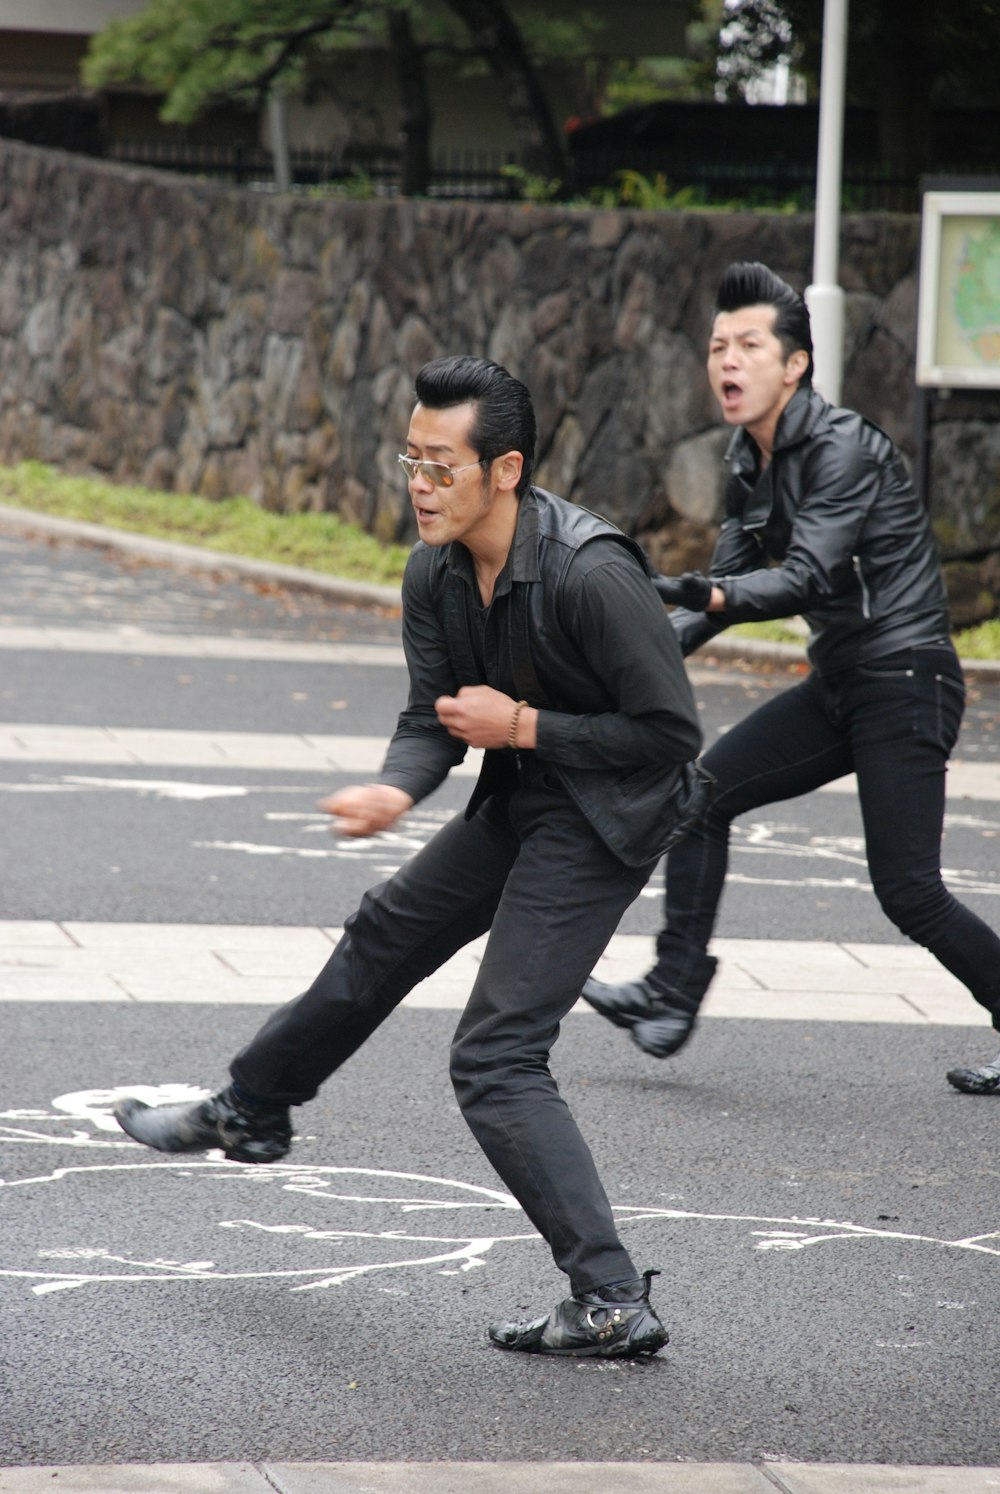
(822, 521)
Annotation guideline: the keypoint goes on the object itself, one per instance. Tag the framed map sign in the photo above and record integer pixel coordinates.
(958, 309)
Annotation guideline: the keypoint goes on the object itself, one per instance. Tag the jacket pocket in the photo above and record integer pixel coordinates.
(642, 815)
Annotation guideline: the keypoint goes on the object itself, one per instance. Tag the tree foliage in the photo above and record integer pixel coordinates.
(197, 53)
(901, 59)
(956, 42)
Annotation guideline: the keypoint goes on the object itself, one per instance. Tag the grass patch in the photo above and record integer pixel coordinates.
(319, 542)
(980, 642)
(779, 631)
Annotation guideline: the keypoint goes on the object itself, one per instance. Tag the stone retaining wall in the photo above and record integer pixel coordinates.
(195, 337)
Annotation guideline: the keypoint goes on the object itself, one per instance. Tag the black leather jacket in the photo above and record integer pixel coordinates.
(580, 634)
(853, 546)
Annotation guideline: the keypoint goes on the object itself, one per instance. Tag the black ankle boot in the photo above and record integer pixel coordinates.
(245, 1133)
(659, 1016)
(607, 1323)
(982, 1081)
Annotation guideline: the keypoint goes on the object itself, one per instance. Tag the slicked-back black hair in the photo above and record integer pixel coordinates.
(504, 418)
(752, 284)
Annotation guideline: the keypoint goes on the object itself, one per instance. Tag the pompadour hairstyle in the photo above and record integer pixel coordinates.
(504, 418)
(752, 284)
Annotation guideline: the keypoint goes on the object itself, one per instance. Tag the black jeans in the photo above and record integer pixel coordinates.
(532, 871)
(894, 723)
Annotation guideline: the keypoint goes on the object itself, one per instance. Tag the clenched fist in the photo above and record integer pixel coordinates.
(481, 717)
(367, 808)
(692, 590)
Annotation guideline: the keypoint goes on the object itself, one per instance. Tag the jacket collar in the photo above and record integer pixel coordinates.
(797, 423)
(799, 420)
(522, 559)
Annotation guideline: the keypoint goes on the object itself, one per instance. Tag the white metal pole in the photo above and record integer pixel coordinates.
(824, 297)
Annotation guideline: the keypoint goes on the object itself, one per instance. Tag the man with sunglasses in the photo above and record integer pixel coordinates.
(531, 630)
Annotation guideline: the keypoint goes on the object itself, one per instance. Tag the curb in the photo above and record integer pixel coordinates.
(362, 593)
(759, 651)
(194, 557)
(756, 1477)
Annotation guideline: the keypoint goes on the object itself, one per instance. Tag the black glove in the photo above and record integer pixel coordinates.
(692, 590)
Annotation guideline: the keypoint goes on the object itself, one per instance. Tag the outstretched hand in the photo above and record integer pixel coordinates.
(367, 808)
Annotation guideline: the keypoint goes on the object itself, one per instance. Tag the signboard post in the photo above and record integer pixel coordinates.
(958, 311)
(958, 303)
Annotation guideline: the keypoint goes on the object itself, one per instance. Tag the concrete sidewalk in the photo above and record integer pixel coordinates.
(501, 1478)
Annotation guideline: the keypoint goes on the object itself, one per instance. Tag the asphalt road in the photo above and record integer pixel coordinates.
(822, 1207)
(84, 843)
(811, 1196)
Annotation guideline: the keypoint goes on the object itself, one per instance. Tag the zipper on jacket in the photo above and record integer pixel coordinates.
(865, 600)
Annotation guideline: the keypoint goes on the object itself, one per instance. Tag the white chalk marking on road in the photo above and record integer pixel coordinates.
(970, 822)
(163, 788)
(387, 852)
(761, 838)
(402, 844)
(251, 848)
(347, 1209)
(312, 818)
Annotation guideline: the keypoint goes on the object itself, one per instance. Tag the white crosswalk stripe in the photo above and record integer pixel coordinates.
(787, 980)
(141, 641)
(25, 742)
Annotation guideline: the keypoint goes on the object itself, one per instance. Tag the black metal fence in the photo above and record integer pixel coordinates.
(456, 173)
(765, 182)
(485, 174)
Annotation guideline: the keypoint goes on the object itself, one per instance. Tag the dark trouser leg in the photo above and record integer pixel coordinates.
(403, 931)
(785, 748)
(904, 715)
(562, 902)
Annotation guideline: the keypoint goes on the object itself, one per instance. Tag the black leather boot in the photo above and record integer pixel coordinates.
(245, 1133)
(982, 1081)
(607, 1323)
(659, 1016)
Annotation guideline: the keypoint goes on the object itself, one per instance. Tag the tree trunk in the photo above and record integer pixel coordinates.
(497, 37)
(415, 114)
(904, 45)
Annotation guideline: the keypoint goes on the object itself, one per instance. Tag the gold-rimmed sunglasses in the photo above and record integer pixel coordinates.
(439, 473)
